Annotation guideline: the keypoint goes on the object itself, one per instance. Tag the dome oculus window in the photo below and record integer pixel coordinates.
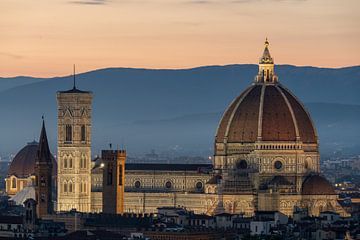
(242, 164)
(168, 184)
(278, 165)
(137, 184)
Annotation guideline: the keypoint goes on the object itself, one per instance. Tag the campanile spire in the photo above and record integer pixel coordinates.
(266, 72)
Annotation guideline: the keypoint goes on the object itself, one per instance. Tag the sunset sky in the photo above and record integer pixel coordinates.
(45, 38)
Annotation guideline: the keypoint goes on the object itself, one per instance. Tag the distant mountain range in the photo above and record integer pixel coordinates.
(176, 110)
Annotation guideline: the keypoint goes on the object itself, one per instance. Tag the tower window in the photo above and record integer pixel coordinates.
(70, 187)
(65, 187)
(83, 133)
(83, 161)
(70, 163)
(42, 181)
(65, 162)
(68, 133)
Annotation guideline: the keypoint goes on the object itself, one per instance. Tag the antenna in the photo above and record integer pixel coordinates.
(74, 78)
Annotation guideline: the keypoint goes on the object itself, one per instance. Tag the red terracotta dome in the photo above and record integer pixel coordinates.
(23, 164)
(267, 112)
(317, 185)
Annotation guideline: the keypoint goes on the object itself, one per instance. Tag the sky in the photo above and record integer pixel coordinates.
(44, 38)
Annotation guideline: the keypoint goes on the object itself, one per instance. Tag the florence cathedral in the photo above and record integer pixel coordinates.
(266, 157)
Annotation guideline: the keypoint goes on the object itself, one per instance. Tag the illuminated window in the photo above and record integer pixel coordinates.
(13, 183)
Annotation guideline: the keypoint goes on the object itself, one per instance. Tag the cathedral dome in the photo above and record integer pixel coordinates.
(317, 185)
(23, 164)
(266, 111)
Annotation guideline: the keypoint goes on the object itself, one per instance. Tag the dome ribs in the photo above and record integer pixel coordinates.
(244, 124)
(317, 185)
(225, 120)
(306, 129)
(277, 123)
(23, 164)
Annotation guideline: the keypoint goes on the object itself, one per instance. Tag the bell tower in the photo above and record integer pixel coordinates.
(113, 180)
(74, 150)
(43, 176)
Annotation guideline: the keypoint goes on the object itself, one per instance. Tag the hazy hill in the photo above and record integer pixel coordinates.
(7, 83)
(177, 109)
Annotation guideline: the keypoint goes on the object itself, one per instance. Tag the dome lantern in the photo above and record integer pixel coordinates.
(266, 72)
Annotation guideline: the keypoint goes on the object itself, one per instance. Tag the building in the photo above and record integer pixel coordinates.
(113, 181)
(74, 150)
(43, 176)
(266, 158)
(21, 172)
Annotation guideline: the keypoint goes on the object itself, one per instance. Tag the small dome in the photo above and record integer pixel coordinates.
(317, 185)
(267, 112)
(23, 164)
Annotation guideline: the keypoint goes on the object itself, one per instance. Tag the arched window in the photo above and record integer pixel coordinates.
(65, 162)
(65, 187)
(84, 188)
(13, 183)
(83, 133)
(81, 187)
(68, 133)
(83, 161)
(70, 187)
(70, 163)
